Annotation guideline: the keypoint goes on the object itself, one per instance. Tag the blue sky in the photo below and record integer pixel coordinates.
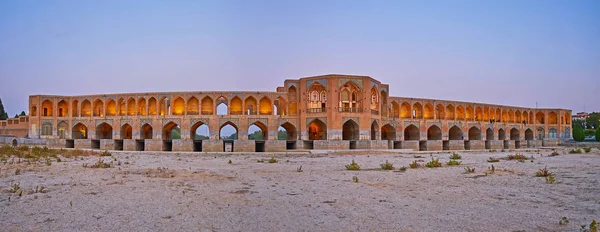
(502, 52)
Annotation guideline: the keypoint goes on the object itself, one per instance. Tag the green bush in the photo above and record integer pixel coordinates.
(353, 166)
(387, 166)
(598, 135)
(578, 134)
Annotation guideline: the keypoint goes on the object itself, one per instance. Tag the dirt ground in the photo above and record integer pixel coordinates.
(195, 192)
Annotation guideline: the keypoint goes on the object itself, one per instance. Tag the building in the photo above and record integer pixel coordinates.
(17, 127)
(321, 112)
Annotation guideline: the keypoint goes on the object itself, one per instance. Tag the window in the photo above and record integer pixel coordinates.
(47, 129)
(552, 133)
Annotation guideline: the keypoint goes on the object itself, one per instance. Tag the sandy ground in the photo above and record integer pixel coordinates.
(192, 192)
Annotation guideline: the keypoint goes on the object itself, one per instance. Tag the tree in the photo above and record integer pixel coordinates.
(598, 135)
(3, 114)
(22, 113)
(592, 120)
(578, 134)
(16, 116)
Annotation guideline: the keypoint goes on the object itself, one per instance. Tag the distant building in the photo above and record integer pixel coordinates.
(580, 116)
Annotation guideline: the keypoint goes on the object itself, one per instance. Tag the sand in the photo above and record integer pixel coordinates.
(197, 192)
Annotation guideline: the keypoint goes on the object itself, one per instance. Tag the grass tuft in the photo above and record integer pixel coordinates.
(353, 166)
(387, 166)
(434, 163)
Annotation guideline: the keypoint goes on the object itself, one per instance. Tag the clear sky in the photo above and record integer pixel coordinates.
(503, 52)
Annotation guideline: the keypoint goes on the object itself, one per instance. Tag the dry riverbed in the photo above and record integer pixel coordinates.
(193, 192)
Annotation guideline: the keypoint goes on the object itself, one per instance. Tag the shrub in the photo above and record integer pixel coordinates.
(272, 160)
(455, 156)
(105, 153)
(353, 166)
(543, 172)
(387, 166)
(492, 168)
(100, 164)
(402, 169)
(587, 149)
(355, 179)
(516, 157)
(554, 153)
(578, 134)
(229, 162)
(469, 170)
(492, 160)
(453, 162)
(414, 164)
(563, 221)
(492, 150)
(434, 163)
(598, 135)
(575, 151)
(299, 169)
(550, 179)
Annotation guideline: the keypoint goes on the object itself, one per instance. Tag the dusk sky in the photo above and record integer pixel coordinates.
(501, 52)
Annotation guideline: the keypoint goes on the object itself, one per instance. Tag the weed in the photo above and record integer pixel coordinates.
(563, 221)
(18, 172)
(299, 169)
(492, 169)
(576, 151)
(453, 162)
(15, 187)
(492, 150)
(554, 153)
(417, 156)
(58, 160)
(353, 166)
(593, 227)
(492, 160)
(387, 166)
(402, 169)
(260, 161)
(587, 149)
(516, 157)
(469, 170)
(434, 163)
(355, 179)
(455, 156)
(543, 172)
(229, 162)
(48, 162)
(105, 153)
(272, 160)
(100, 164)
(414, 164)
(550, 179)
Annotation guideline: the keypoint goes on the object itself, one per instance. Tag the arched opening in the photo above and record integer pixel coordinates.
(497, 115)
(469, 113)
(489, 134)
(478, 114)
(122, 107)
(86, 108)
(15, 143)
(474, 133)
(539, 118)
(440, 111)
(104, 131)
(486, 114)
(374, 130)
(384, 106)
(126, 131)
(450, 112)
(142, 107)
(222, 107)
(146, 132)
(34, 111)
(417, 110)
(428, 113)
(374, 101)
(228, 131)
(200, 131)
(501, 134)
(111, 108)
(131, 107)
(265, 106)
(178, 106)
(287, 131)
(541, 133)
(434, 133)
(46, 128)
(552, 133)
(281, 104)
(568, 120)
(152, 106)
(74, 109)
(293, 103)
(171, 131)
(317, 130)
(405, 111)
(47, 108)
(236, 106)
(63, 109)
(206, 106)
(511, 116)
(528, 134)
(317, 98)
(79, 131)
(62, 130)
(411, 133)
(250, 106)
(514, 134)
(388, 132)
(98, 108)
(504, 116)
(460, 113)
(526, 117)
(455, 133)
(257, 131)
(193, 105)
(350, 130)
(518, 117)
(552, 118)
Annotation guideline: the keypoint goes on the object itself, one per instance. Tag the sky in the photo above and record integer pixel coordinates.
(507, 52)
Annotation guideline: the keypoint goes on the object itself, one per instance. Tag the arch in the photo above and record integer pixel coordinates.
(411, 133)
(317, 97)
(142, 107)
(131, 107)
(531, 118)
(501, 134)
(281, 104)
(250, 106)
(146, 132)
(374, 99)
(46, 128)
(460, 113)
(47, 108)
(518, 117)
(440, 111)
(525, 117)
(265, 107)
(63, 108)
(486, 113)
(514, 134)
(450, 112)
(417, 110)
(257, 131)
(200, 131)
(171, 131)
(374, 130)
(568, 119)
(552, 133)
(388, 132)
(384, 106)
(152, 106)
(206, 106)
(122, 107)
(222, 106)
(178, 106)
(126, 131)
(395, 110)
(489, 134)
(540, 118)
(79, 131)
(290, 132)
(474, 133)
(317, 130)
(405, 111)
(504, 117)
(62, 130)
(86, 108)
(428, 111)
(228, 131)
(236, 106)
(434, 133)
(497, 115)
(98, 108)
(74, 109)
(350, 130)
(34, 111)
(562, 120)
(455, 133)
(528, 134)
(15, 143)
(469, 113)
(111, 108)
(293, 105)
(104, 131)
(552, 118)
(511, 116)
(479, 114)
(192, 106)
